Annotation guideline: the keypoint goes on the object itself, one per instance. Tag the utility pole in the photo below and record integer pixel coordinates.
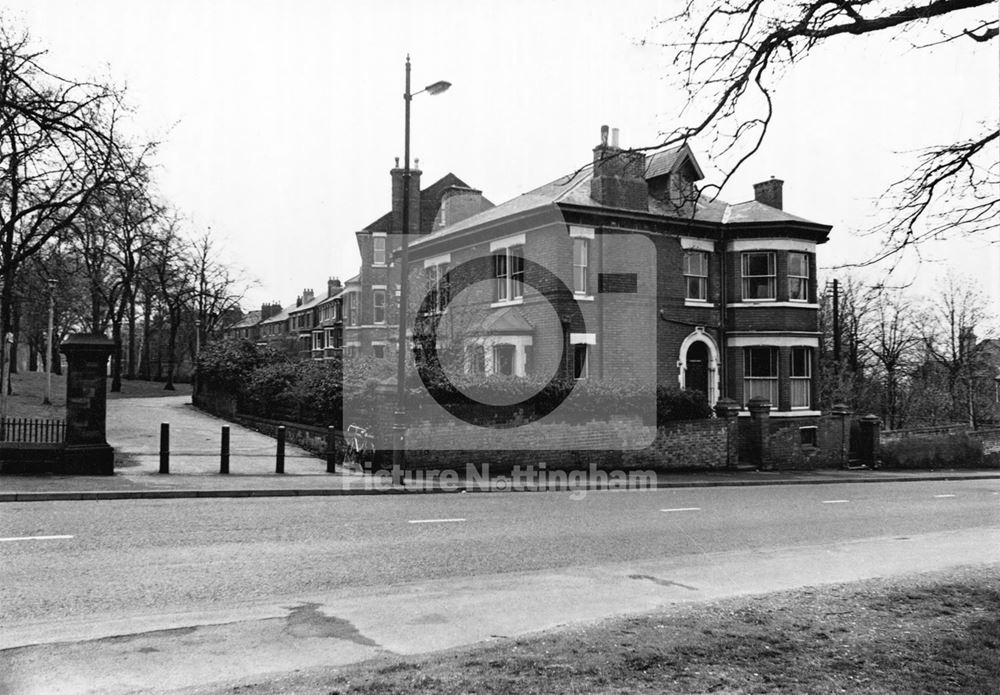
(836, 324)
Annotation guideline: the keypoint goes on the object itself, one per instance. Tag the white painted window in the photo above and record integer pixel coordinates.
(759, 276)
(801, 377)
(438, 291)
(798, 277)
(581, 260)
(760, 374)
(503, 359)
(378, 306)
(696, 275)
(508, 267)
(378, 250)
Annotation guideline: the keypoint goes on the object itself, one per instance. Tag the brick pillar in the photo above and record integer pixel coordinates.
(871, 428)
(727, 409)
(383, 415)
(760, 444)
(842, 426)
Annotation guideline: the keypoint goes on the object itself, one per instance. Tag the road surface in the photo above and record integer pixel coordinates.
(110, 596)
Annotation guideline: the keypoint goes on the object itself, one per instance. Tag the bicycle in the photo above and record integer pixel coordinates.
(360, 445)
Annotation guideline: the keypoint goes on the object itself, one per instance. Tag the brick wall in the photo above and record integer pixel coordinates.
(692, 445)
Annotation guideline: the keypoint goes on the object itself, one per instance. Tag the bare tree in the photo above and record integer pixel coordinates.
(734, 52)
(893, 339)
(950, 323)
(169, 262)
(59, 148)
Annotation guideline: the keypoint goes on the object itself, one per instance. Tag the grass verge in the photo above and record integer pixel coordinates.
(29, 392)
(928, 633)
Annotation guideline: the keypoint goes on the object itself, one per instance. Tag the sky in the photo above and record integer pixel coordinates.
(279, 120)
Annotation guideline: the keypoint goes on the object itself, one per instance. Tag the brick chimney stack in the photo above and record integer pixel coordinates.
(397, 198)
(269, 310)
(333, 286)
(619, 179)
(769, 192)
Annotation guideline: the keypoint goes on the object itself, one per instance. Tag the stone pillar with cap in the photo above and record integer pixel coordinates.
(841, 413)
(760, 434)
(727, 409)
(87, 451)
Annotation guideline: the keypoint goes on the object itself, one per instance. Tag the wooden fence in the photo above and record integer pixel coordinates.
(32, 430)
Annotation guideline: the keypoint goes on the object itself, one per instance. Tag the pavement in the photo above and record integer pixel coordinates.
(134, 431)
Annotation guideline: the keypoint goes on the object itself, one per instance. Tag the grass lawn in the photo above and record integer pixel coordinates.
(928, 633)
(29, 392)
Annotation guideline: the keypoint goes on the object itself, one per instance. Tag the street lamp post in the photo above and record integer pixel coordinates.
(48, 342)
(399, 416)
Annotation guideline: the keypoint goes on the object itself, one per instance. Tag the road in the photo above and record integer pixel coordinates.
(74, 574)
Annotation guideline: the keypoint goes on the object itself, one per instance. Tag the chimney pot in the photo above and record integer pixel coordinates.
(604, 136)
(614, 137)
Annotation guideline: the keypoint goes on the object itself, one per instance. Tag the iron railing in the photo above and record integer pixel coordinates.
(32, 430)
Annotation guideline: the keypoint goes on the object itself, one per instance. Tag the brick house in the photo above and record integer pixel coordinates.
(670, 287)
(370, 298)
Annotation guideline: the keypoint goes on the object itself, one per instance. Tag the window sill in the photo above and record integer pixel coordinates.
(752, 303)
(700, 303)
(507, 302)
(583, 297)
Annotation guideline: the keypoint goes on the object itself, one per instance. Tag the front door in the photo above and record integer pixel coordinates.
(696, 375)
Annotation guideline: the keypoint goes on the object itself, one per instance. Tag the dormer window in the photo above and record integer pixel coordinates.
(759, 276)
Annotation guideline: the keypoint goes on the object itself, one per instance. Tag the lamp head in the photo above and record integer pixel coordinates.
(437, 87)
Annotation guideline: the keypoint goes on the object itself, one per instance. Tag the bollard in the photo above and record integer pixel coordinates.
(224, 455)
(279, 464)
(164, 448)
(331, 449)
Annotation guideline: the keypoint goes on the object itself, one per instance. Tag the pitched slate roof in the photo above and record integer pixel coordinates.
(430, 202)
(574, 189)
(251, 319)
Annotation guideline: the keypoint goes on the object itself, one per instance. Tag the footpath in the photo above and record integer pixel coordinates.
(134, 430)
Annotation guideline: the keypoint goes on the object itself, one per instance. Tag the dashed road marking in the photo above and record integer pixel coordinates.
(683, 509)
(33, 538)
(434, 521)
(836, 501)
(940, 496)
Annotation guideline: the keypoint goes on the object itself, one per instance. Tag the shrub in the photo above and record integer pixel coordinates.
(227, 364)
(674, 404)
(940, 451)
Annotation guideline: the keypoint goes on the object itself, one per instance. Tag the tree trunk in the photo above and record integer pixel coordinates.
(147, 314)
(116, 356)
(33, 349)
(171, 349)
(130, 356)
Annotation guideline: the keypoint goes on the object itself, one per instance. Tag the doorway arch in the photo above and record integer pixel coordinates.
(698, 366)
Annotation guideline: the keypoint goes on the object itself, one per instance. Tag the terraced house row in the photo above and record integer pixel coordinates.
(618, 270)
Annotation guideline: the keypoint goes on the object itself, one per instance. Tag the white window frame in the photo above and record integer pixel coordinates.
(688, 274)
(508, 289)
(751, 382)
(803, 278)
(771, 276)
(376, 292)
(353, 309)
(800, 382)
(581, 270)
(375, 250)
(433, 273)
